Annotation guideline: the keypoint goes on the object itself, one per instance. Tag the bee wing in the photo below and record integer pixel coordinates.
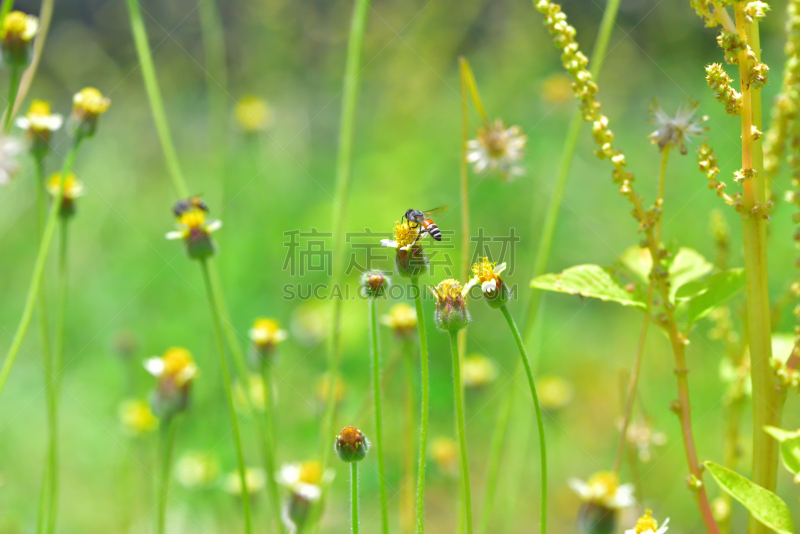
(436, 211)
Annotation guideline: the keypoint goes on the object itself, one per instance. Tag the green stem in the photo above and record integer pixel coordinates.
(167, 444)
(216, 72)
(342, 188)
(154, 96)
(407, 500)
(13, 88)
(376, 391)
(41, 212)
(226, 377)
(269, 444)
(5, 9)
(423, 426)
(354, 496)
(766, 400)
(466, 492)
(58, 358)
(232, 339)
(38, 270)
(539, 420)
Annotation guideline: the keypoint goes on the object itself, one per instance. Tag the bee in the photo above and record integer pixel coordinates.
(184, 205)
(423, 219)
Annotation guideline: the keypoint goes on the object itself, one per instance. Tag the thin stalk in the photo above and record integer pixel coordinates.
(13, 89)
(376, 391)
(343, 175)
(226, 378)
(466, 491)
(567, 155)
(468, 85)
(425, 394)
(550, 221)
(154, 96)
(407, 500)
(58, 358)
(766, 400)
(630, 397)
(466, 78)
(5, 9)
(167, 445)
(231, 338)
(41, 212)
(354, 496)
(269, 444)
(38, 270)
(45, 17)
(731, 453)
(539, 420)
(216, 73)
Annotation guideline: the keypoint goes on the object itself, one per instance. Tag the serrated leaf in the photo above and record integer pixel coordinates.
(590, 281)
(763, 505)
(790, 447)
(715, 291)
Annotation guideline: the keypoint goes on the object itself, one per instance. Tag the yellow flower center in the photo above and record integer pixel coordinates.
(402, 317)
(604, 483)
(137, 417)
(72, 187)
(448, 289)
(495, 139)
(646, 523)
(484, 270)
(90, 101)
(252, 113)
(39, 108)
(310, 473)
(193, 219)
(176, 360)
(16, 25)
(405, 234)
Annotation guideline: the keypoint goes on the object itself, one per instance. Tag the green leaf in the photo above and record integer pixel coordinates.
(763, 505)
(636, 261)
(590, 281)
(687, 266)
(790, 447)
(704, 297)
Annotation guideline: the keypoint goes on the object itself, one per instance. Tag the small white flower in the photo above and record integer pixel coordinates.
(486, 274)
(604, 490)
(498, 148)
(304, 479)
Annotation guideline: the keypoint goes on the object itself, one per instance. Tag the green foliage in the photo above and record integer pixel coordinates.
(765, 506)
(790, 447)
(590, 281)
(696, 298)
(705, 296)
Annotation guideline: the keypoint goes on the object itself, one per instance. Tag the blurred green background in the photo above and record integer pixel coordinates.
(127, 280)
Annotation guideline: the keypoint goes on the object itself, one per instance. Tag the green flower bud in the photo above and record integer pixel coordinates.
(374, 284)
(451, 308)
(411, 262)
(351, 445)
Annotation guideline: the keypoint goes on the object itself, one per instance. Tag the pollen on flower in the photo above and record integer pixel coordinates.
(137, 418)
(177, 361)
(310, 473)
(73, 188)
(604, 484)
(646, 523)
(90, 102)
(267, 332)
(405, 234)
(19, 27)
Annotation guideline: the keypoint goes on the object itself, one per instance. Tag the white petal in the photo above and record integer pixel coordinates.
(469, 285)
(490, 286)
(281, 335)
(580, 487)
(308, 491)
(500, 268)
(213, 226)
(623, 498)
(389, 243)
(23, 122)
(289, 474)
(177, 234)
(154, 366)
